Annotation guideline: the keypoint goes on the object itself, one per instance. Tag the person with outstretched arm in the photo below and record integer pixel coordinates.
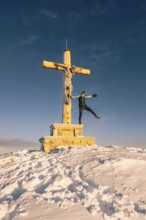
(82, 105)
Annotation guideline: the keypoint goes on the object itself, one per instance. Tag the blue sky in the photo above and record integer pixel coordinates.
(108, 37)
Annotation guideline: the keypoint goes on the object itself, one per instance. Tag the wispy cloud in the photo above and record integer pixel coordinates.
(29, 40)
(103, 9)
(49, 14)
(99, 9)
(102, 53)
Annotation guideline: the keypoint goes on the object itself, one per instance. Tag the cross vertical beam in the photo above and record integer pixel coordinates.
(67, 119)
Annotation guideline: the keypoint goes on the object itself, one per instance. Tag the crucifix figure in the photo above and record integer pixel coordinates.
(69, 71)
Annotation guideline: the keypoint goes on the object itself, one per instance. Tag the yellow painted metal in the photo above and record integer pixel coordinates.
(65, 135)
(67, 119)
(67, 68)
(67, 58)
(50, 143)
(66, 130)
(51, 65)
(82, 71)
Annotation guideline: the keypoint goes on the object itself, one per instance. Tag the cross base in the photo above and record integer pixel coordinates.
(65, 135)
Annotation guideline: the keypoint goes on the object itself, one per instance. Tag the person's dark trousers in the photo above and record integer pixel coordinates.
(81, 112)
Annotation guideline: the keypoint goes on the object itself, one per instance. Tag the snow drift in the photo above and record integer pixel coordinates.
(74, 183)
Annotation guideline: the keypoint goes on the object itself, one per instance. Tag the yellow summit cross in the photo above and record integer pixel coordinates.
(66, 134)
(69, 72)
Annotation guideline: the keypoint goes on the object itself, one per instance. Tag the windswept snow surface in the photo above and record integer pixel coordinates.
(102, 183)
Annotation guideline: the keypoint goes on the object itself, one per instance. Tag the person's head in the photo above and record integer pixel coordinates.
(83, 93)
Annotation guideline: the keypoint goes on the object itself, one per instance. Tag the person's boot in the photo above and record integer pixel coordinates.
(96, 116)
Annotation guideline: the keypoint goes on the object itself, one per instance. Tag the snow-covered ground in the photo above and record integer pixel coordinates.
(85, 183)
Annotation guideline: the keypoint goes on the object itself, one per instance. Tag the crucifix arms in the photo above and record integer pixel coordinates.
(63, 67)
(69, 71)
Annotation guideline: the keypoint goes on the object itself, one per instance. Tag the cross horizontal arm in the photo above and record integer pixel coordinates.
(62, 67)
(52, 65)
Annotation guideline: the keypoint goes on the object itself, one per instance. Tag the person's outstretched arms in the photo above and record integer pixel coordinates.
(90, 96)
(75, 97)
